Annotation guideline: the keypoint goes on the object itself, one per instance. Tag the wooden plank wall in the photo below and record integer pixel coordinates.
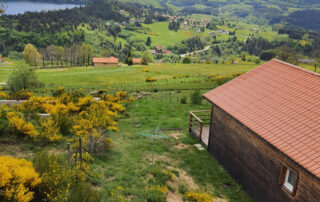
(253, 163)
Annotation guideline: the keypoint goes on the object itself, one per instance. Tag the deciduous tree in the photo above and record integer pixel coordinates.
(31, 55)
(51, 53)
(146, 58)
(58, 51)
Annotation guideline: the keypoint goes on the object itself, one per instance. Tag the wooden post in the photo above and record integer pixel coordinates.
(200, 135)
(69, 153)
(190, 123)
(75, 158)
(80, 149)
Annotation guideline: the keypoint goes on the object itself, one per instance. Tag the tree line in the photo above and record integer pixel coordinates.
(76, 55)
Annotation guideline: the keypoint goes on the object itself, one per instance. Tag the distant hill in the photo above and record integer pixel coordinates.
(305, 19)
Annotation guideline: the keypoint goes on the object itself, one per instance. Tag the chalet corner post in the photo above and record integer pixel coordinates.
(199, 125)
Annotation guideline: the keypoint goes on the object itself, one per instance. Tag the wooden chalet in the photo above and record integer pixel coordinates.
(265, 131)
(105, 62)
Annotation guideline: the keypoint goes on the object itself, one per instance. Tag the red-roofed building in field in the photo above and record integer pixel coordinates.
(105, 62)
(137, 61)
(265, 131)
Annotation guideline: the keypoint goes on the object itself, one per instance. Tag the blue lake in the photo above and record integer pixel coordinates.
(19, 7)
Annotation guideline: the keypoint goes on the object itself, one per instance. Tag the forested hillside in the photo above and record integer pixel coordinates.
(225, 30)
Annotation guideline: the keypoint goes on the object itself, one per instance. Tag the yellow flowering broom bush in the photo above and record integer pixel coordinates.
(199, 196)
(18, 179)
(58, 178)
(93, 122)
(50, 131)
(71, 115)
(19, 125)
(3, 95)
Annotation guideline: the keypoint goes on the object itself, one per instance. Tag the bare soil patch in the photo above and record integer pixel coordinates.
(173, 197)
(164, 159)
(175, 135)
(184, 178)
(182, 146)
(15, 151)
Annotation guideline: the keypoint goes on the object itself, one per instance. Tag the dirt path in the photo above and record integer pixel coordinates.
(198, 51)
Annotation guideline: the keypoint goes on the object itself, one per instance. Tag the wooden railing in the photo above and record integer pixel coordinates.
(198, 120)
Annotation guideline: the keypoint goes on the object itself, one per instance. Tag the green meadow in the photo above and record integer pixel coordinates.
(131, 78)
(161, 35)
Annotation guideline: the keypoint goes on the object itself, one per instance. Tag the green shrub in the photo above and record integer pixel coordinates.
(23, 78)
(186, 60)
(4, 125)
(183, 100)
(257, 61)
(15, 55)
(196, 97)
(83, 192)
(182, 189)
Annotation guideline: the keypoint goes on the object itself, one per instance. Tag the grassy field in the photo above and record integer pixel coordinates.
(244, 30)
(127, 169)
(160, 34)
(132, 153)
(131, 78)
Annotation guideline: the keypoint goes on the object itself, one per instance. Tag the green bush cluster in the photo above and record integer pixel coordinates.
(196, 97)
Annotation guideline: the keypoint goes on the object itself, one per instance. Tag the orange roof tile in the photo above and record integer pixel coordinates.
(280, 103)
(110, 60)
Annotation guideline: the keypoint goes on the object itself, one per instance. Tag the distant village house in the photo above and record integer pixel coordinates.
(137, 61)
(160, 49)
(265, 131)
(105, 62)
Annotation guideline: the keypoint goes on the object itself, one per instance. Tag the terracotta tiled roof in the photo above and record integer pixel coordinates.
(280, 102)
(136, 60)
(110, 60)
